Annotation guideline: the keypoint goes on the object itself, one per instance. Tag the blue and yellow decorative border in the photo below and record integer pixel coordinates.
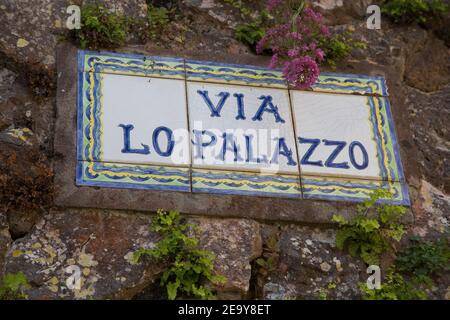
(386, 139)
(91, 171)
(351, 84)
(233, 73)
(352, 190)
(246, 183)
(116, 175)
(116, 63)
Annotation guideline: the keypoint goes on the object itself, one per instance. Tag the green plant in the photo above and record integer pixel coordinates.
(338, 47)
(239, 5)
(269, 259)
(101, 28)
(265, 264)
(332, 285)
(323, 293)
(158, 19)
(408, 11)
(412, 271)
(368, 237)
(13, 286)
(189, 266)
(250, 33)
(424, 259)
(394, 287)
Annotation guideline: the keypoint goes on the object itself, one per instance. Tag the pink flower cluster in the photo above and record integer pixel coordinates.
(295, 43)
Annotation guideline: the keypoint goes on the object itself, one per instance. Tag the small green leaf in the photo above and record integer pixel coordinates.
(172, 288)
(339, 219)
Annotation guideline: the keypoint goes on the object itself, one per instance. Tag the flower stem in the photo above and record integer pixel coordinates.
(296, 15)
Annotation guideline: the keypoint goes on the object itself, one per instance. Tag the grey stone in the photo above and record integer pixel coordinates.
(193, 3)
(309, 263)
(432, 210)
(7, 79)
(235, 243)
(339, 12)
(428, 145)
(274, 291)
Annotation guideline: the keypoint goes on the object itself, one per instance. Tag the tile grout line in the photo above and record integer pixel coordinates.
(291, 108)
(186, 96)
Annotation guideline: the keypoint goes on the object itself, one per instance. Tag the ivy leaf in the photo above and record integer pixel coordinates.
(172, 288)
(369, 225)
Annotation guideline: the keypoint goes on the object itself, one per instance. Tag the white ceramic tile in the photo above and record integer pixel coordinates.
(334, 121)
(153, 107)
(267, 128)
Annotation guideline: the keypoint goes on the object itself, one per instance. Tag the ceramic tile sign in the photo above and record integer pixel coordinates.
(132, 128)
(184, 125)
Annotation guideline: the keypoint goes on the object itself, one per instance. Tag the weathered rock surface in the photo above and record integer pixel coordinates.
(135, 9)
(310, 267)
(339, 12)
(20, 110)
(26, 126)
(235, 242)
(442, 27)
(428, 65)
(34, 28)
(24, 196)
(30, 38)
(9, 89)
(5, 241)
(197, 29)
(432, 210)
(429, 116)
(100, 244)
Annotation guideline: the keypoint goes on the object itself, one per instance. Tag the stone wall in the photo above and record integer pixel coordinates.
(41, 239)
